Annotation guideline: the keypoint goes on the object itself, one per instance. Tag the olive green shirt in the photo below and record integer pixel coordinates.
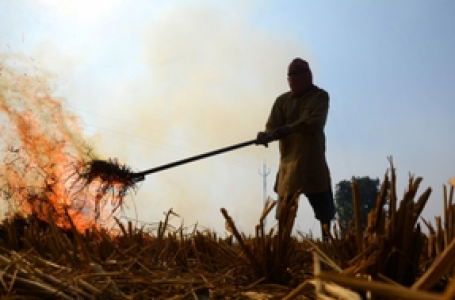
(303, 167)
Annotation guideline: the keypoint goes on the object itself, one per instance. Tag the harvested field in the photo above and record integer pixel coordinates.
(391, 259)
(62, 239)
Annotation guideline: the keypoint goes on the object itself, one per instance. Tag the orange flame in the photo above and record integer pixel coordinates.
(42, 143)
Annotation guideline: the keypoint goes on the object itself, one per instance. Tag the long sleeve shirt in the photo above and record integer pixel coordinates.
(303, 166)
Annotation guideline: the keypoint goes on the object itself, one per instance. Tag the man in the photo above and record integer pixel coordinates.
(297, 120)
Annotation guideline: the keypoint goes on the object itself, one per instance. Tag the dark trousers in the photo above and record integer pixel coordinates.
(322, 204)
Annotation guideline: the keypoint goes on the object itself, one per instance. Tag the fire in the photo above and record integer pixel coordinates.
(42, 145)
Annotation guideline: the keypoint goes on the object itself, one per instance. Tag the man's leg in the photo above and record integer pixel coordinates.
(324, 209)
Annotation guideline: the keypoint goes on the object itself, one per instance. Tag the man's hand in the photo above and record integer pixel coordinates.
(263, 138)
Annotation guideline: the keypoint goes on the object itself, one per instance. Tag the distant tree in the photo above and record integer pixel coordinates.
(368, 189)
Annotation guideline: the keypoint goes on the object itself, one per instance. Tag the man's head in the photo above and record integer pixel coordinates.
(300, 78)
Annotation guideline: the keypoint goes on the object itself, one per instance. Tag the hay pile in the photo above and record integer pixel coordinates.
(390, 259)
(41, 260)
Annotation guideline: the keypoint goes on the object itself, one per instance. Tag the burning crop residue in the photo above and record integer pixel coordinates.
(110, 178)
(43, 144)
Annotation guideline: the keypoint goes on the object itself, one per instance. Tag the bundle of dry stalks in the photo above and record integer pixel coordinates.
(399, 261)
(392, 243)
(108, 177)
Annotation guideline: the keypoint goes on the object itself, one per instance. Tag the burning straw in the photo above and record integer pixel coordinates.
(43, 140)
(108, 178)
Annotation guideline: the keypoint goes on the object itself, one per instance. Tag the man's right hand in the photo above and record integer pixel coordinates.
(263, 138)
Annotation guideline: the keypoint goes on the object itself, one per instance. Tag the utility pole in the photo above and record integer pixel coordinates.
(264, 175)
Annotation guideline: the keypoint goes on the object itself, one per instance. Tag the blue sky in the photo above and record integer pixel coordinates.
(158, 81)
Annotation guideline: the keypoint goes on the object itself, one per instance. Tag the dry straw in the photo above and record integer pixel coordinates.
(39, 259)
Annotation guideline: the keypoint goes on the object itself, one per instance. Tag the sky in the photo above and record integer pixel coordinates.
(158, 81)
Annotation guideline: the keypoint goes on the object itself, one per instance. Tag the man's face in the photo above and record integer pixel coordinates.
(299, 77)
